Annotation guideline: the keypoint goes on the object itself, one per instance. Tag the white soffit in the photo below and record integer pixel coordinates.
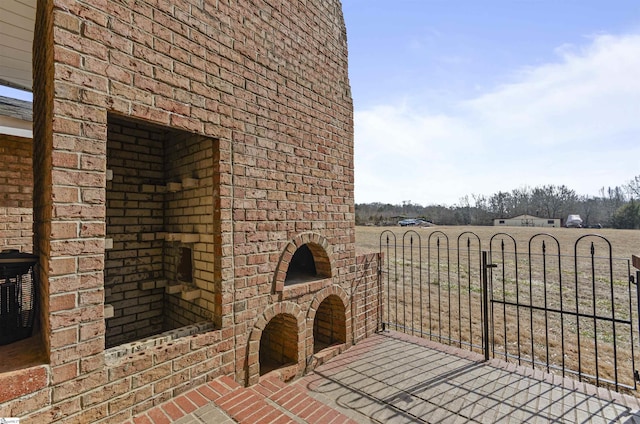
(17, 21)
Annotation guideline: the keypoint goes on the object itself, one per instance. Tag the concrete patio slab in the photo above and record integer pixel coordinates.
(394, 378)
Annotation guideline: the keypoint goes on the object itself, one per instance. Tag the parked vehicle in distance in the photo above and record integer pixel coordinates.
(409, 222)
(414, 222)
(574, 221)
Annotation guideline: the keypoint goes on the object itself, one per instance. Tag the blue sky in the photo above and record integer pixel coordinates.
(15, 94)
(456, 98)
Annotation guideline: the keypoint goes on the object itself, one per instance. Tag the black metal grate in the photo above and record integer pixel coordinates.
(17, 296)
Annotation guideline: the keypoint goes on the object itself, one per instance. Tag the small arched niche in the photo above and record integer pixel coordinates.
(279, 343)
(329, 324)
(309, 262)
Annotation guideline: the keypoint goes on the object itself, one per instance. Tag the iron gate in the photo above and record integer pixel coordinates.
(570, 310)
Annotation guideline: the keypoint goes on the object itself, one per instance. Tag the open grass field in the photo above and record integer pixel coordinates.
(624, 242)
(554, 304)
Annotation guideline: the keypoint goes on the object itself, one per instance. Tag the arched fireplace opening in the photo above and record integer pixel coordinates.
(279, 343)
(329, 325)
(302, 265)
(309, 262)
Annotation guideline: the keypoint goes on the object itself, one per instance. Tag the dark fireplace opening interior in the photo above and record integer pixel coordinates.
(308, 263)
(329, 325)
(302, 266)
(279, 343)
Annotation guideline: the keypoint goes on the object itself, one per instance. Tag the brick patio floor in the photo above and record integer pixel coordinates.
(395, 378)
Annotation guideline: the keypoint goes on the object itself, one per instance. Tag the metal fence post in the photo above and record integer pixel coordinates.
(636, 282)
(636, 374)
(485, 304)
(635, 261)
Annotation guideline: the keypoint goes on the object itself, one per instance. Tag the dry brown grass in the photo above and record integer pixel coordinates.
(624, 242)
(434, 291)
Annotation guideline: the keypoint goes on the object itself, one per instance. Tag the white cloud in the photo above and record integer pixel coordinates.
(574, 122)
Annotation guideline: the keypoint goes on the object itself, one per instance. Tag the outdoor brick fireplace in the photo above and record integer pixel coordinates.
(192, 202)
(311, 313)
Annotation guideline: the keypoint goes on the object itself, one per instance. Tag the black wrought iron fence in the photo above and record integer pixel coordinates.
(571, 310)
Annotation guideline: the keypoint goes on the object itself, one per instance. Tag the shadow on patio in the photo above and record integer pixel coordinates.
(392, 377)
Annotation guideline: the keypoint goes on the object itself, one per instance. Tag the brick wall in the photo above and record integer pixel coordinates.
(16, 191)
(367, 296)
(134, 213)
(265, 83)
(189, 211)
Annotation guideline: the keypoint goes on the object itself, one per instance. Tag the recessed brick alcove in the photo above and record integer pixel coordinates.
(306, 258)
(277, 339)
(160, 223)
(324, 320)
(279, 343)
(329, 324)
(16, 191)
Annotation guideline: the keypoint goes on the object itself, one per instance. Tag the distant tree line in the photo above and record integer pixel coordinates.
(617, 207)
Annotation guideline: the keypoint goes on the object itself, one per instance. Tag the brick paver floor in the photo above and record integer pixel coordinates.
(394, 378)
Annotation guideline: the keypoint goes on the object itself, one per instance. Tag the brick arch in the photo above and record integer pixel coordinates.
(253, 351)
(339, 293)
(321, 250)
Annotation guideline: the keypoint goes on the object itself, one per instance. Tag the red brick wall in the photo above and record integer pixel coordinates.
(133, 220)
(366, 296)
(16, 188)
(268, 81)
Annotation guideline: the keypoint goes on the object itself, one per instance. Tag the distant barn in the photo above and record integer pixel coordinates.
(527, 221)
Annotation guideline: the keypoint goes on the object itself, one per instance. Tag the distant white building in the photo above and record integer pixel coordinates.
(527, 221)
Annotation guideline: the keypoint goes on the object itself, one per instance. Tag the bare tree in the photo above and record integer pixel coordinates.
(521, 201)
(633, 187)
(554, 201)
(500, 204)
